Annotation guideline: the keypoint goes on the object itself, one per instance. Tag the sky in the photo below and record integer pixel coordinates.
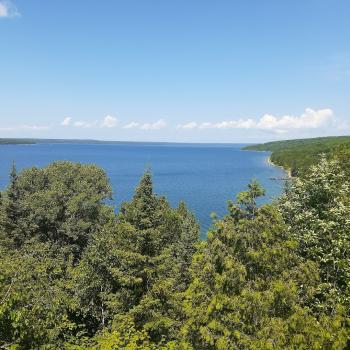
(235, 71)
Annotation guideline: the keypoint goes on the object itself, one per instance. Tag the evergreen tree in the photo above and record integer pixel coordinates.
(138, 266)
(250, 289)
(246, 204)
(12, 211)
(74, 275)
(62, 203)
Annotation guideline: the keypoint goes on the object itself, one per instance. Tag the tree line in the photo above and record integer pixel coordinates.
(76, 275)
(298, 155)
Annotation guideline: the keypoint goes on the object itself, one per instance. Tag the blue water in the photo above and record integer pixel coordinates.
(205, 176)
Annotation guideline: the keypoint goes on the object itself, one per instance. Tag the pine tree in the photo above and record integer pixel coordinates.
(12, 210)
(246, 204)
(138, 267)
(250, 289)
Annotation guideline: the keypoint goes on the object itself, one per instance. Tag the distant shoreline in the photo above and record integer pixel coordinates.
(33, 141)
(286, 170)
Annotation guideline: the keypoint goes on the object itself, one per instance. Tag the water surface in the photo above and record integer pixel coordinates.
(205, 176)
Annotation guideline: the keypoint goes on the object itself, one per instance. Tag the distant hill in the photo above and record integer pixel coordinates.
(30, 141)
(16, 141)
(298, 155)
(27, 141)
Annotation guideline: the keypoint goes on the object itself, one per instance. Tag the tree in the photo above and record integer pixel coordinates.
(250, 289)
(342, 155)
(11, 211)
(138, 266)
(48, 217)
(34, 304)
(246, 204)
(317, 211)
(63, 203)
(75, 275)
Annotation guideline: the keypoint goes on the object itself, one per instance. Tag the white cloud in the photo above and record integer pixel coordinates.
(109, 122)
(85, 125)
(131, 125)
(8, 10)
(160, 124)
(188, 126)
(310, 119)
(66, 121)
(236, 124)
(206, 125)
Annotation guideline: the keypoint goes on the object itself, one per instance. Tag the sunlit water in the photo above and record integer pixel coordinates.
(205, 176)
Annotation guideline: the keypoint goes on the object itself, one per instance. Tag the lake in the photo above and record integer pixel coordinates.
(205, 176)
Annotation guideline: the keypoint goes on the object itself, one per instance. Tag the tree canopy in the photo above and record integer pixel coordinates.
(299, 155)
(75, 274)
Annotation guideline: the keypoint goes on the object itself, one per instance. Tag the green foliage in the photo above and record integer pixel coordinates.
(342, 155)
(16, 141)
(246, 206)
(138, 266)
(33, 302)
(250, 290)
(12, 209)
(299, 155)
(62, 203)
(75, 275)
(317, 210)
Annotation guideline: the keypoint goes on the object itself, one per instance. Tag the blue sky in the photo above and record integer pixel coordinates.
(174, 70)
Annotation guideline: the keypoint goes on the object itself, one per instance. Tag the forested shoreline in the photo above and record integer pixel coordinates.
(296, 156)
(76, 275)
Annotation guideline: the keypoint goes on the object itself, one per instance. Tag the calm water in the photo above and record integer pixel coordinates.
(205, 176)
